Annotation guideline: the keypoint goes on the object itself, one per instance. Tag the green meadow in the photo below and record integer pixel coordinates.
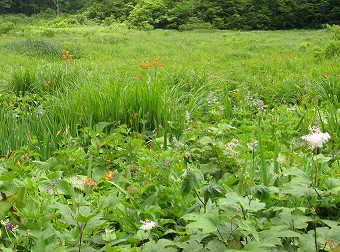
(113, 139)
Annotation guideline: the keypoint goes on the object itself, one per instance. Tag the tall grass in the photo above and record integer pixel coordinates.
(104, 82)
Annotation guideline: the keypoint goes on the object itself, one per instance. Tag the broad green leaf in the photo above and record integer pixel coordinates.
(6, 205)
(259, 246)
(160, 245)
(216, 246)
(330, 223)
(95, 221)
(63, 187)
(68, 216)
(44, 234)
(191, 245)
(290, 220)
(99, 127)
(190, 181)
(206, 140)
(204, 223)
(212, 191)
(21, 197)
(272, 234)
(306, 242)
(248, 228)
(320, 158)
(261, 192)
(4, 249)
(109, 236)
(326, 234)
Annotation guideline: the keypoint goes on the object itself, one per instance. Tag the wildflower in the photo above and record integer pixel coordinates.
(187, 156)
(259, 104)
(280, 159)
(89, 182)
(230, 147)
(187, 116)
(315, 139)
(138, 77)
(46, 84)
(9, 225)
(76, 181)
(66, 56)
(109, 174)
(175, 141)
(160, 65)
(254, 144)
(212, 99)
(147, 225)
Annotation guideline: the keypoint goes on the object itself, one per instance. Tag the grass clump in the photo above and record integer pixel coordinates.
(35, 47)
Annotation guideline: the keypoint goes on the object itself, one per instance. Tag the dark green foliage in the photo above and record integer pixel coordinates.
(193, 14)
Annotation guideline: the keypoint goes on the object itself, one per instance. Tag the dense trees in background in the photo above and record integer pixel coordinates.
(186, 14)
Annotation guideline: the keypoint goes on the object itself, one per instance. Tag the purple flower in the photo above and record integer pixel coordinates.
(9, 225)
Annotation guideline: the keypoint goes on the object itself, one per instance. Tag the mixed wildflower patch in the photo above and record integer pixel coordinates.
(204, 157)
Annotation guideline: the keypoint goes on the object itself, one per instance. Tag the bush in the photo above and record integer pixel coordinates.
(6, 26)
(332, 49)
(195, 26)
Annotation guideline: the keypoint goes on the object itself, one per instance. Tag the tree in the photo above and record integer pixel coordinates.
(57, 5)
(5, 5)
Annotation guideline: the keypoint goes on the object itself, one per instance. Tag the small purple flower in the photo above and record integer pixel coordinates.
(9, 225)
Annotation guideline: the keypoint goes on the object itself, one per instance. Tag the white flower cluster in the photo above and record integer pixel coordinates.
(187, 117)
(147, 225)
(230, 148)
(76, 181)
(315, 139)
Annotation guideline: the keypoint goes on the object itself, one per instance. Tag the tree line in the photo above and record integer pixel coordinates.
(175, 14)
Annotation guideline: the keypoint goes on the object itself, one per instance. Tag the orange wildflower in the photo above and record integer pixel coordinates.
(160, 65)
(46, 84)
(66, 56)
(109, 174)
(89, 182)
(141, 64)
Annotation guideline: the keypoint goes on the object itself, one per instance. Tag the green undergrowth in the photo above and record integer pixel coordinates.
(120, 140)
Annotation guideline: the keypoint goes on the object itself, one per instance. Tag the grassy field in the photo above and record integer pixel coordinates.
(122, 140)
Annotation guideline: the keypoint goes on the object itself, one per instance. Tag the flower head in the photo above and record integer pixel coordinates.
(280, 159)
(187, 116)
(9, 225)
(316, 138)
(109, 174)
(89, 182)
(147, 225)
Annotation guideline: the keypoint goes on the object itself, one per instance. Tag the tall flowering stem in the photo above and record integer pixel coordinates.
(314, 140)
